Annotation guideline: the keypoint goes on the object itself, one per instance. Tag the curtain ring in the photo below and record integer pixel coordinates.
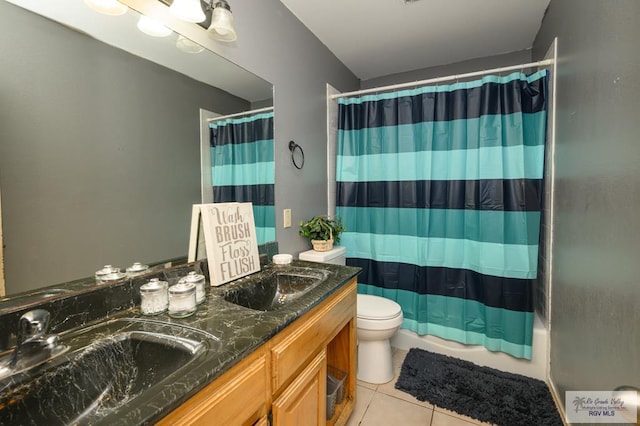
(292, 148)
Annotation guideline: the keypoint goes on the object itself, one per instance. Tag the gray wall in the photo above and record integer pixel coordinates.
(471, 65)
(99, 153)
(595, 296)
(273, 44)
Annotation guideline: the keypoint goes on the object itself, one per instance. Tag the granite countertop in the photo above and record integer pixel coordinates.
(242, 330)
(238, 330)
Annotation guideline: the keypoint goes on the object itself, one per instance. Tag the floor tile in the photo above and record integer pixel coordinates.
(442, 419)
(386, 410)
(458, 416)
(363, 398)
(367, 385)
(385, 405)
(390, 387)
(398, 356)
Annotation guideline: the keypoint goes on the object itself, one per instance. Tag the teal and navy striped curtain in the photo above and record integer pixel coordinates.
(243, 167)
(440, 189)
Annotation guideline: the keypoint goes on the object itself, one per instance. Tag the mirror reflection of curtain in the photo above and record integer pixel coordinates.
(243, 167)
(440, 189)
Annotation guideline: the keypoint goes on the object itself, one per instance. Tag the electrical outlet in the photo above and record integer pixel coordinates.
(286, 213)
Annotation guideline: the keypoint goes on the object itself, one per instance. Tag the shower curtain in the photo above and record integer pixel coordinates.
(440, 189)
(243, 167)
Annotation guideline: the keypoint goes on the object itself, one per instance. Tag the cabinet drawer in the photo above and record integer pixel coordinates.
(295, 346)
(239, 397)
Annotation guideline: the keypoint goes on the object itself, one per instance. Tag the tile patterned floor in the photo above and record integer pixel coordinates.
(383, 405)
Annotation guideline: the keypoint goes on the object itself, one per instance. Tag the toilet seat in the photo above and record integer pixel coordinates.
(376, 324)
(372, 307)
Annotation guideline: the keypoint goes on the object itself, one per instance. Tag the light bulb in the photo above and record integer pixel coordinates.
(152, 27)
(107, 7)
(221, 27)
(187, 10)
(188, 46)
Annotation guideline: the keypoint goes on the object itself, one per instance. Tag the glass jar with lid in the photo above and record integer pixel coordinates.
(109, 273)
(137, 269)
(154, 297)
(199, 281)
(182, 300)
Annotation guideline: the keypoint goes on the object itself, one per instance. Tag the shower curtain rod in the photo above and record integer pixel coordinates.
(240, 114)
(439, 79)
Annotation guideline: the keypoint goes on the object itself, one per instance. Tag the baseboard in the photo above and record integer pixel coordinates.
(557, 400)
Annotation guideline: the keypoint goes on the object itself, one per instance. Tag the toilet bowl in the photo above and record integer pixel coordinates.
(378, 319)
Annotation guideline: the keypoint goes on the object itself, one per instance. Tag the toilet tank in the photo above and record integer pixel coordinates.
(336, 256)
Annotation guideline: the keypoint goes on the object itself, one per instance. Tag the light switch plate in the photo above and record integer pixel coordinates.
(286, 214)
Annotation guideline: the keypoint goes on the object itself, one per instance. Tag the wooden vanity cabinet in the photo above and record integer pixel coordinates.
(286, 377)
(329, 327)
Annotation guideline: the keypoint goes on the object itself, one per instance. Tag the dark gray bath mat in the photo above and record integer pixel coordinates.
(483, 393)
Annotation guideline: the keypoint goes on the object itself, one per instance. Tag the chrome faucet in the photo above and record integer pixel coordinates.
(33, 345)
(32, 329)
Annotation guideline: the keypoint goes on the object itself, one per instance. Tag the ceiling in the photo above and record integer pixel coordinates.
(374, 38)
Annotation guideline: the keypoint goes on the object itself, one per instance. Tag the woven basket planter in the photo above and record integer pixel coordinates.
(322, 245)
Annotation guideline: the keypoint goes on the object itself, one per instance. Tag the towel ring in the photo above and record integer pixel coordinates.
(292, 147)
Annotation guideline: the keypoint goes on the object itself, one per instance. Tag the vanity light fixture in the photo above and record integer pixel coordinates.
(107, 7)
(213, 15)
(187, 10)
(151, 27)
(221, 27)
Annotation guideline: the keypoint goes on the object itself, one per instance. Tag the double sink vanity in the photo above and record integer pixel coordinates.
(255, 352)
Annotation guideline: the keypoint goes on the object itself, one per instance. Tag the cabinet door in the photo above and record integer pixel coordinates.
(303, 402)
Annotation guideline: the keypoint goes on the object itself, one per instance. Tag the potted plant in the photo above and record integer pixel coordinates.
(322, 231)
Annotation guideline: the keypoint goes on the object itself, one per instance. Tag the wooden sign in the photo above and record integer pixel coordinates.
(230, 242)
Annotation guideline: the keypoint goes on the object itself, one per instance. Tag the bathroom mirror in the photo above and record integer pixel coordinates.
(100, 129)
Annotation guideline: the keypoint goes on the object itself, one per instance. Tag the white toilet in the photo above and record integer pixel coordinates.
(378, 319)
(335, 256)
